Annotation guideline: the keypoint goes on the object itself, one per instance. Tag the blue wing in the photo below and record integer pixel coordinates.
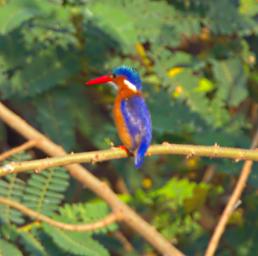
(138, 122)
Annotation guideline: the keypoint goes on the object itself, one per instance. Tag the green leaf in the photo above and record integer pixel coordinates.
(55, 118)
(45, 191)
(12, 187)
(228, 22)
(75, 243)
(86, 213)
(14, 13)
(178, 118)
(7, 249)
(41, 73)
(116, 19)
(32, 244)
(231, 80)
(177, 190)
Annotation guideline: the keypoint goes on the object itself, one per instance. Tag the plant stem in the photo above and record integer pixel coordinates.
(236, 194)
(109, 219)
(115, 153)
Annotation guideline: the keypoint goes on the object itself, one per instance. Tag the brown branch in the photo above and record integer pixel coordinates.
(111, 218)
(130, 218)
(102, 155)
(123, 240)
(13, 151)
(241, 183)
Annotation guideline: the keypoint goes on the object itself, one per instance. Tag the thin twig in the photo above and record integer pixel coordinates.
(123, 240)
(111, 218)
(231, 205)
(208, 174)
(131, 218)
(113, 153)
(13, 151)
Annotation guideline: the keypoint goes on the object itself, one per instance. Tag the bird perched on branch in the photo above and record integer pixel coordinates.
(131, 115)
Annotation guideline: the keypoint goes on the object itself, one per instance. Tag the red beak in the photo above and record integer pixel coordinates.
(100, 80)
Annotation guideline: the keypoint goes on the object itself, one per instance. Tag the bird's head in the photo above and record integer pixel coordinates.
(123, 77)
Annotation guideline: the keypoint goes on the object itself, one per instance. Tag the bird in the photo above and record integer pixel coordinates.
(131, 115)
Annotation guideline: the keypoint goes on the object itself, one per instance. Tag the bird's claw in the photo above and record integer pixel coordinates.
(128, 152)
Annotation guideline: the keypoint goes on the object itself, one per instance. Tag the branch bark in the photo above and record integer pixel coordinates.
(114, 153)
(112, 217)
(130, 217)
(13, 151)
(241, 183)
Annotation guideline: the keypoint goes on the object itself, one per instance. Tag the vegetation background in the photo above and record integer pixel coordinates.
(197, 60)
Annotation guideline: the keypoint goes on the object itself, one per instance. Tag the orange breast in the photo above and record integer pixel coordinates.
(120, 124)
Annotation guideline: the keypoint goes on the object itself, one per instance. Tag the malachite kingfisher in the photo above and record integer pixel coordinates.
(131, 114)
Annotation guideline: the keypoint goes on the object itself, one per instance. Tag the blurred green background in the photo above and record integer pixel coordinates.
(197, 60)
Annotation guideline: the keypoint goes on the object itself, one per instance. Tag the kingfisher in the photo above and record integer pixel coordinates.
(131, 115)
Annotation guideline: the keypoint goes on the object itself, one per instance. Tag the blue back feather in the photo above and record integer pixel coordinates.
(130, 74)
(138, 122)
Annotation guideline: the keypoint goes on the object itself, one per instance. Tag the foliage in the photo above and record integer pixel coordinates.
(52, 184)
(76, 243)
(86, 213)
(174, 206)
(43, 192)
(12, 188)
(199, 70)
(7, 248)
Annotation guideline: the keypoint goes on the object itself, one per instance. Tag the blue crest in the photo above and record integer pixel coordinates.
(130, 74)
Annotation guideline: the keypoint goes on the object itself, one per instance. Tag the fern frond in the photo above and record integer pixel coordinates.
(32, 244)
(44, 191)
(75, 243)
(80, 243)
(11, 188)
(86, 213)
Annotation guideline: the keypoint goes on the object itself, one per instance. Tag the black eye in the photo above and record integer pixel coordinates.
(114, 75)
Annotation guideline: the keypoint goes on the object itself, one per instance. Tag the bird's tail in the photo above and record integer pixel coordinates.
(139, 157)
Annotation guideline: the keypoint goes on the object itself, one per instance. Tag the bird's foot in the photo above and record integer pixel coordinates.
(128, 152)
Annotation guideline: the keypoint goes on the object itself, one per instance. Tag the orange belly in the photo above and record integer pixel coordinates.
(121, 125)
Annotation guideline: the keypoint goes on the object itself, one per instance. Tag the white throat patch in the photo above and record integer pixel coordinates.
(130, 86)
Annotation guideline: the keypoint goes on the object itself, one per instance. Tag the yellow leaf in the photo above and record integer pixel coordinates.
(178, 91)
(147, 183)
(198, 199)
(192, 162)
(174, 71)
(237, 217)
(142, 53)
(140, 49)
(2, 2)
(204, 85)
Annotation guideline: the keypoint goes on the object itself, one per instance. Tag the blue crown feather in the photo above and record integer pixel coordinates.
(130, 74)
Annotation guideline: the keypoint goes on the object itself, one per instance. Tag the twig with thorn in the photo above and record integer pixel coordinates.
(231, 205)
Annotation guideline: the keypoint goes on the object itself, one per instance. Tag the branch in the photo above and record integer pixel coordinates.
(71, 227)
(130, 218)
(123, 240)
(230, 207)
(114, 153)
(13, 151)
